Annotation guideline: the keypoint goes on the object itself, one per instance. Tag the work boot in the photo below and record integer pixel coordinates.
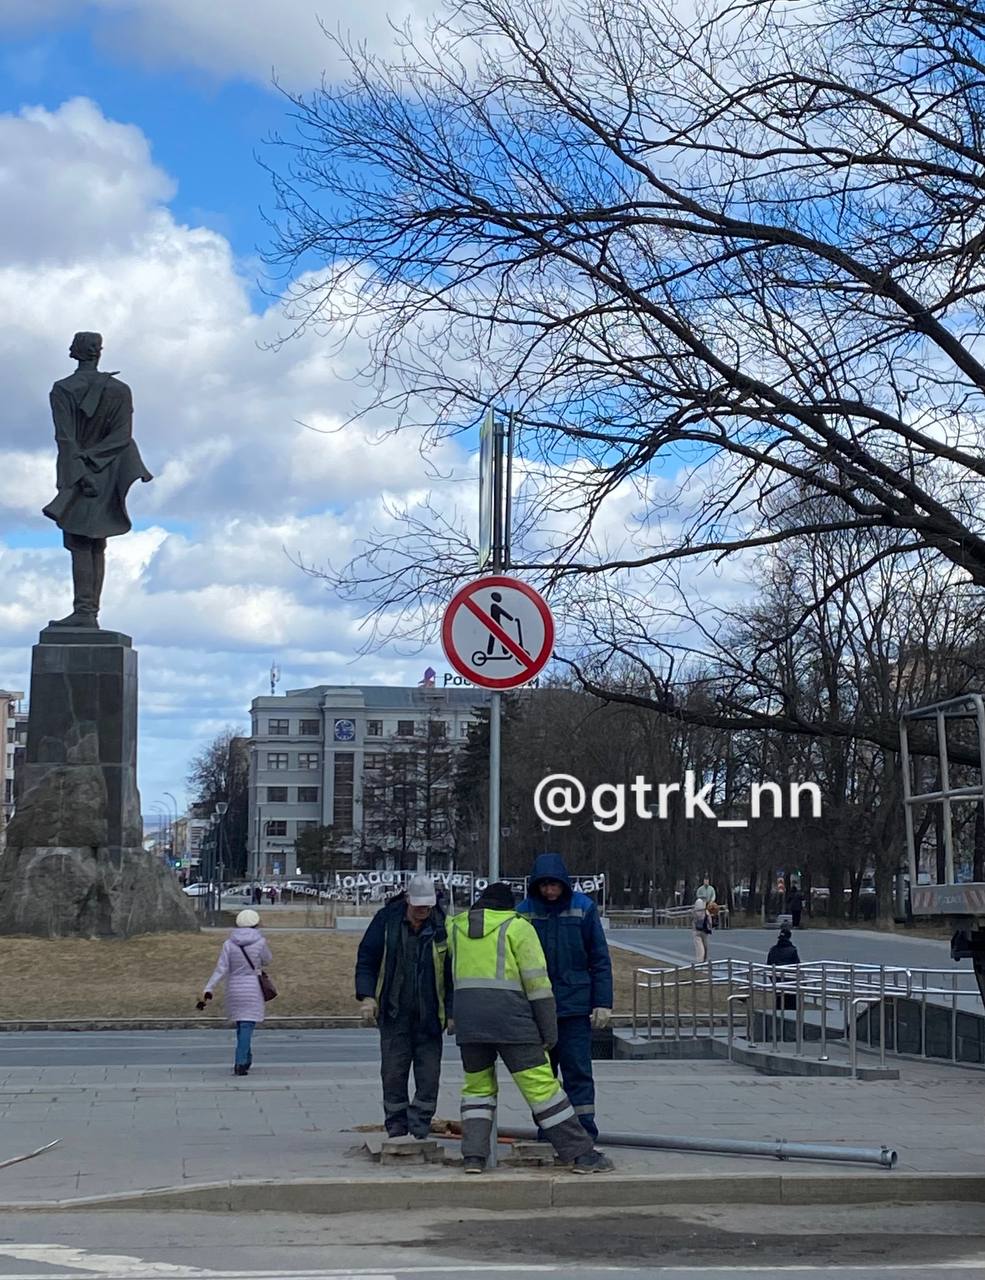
(241, 1069)
(474, 1164)
(592, 1162)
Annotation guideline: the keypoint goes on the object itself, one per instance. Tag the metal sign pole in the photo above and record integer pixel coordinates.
(494, 781)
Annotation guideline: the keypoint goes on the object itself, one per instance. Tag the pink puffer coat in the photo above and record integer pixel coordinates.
(244, 999)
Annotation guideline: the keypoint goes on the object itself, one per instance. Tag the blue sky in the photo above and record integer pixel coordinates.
(204, 583)
(131, 202)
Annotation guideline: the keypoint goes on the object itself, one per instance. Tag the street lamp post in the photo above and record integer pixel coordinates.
(174, 827)
(220, 808)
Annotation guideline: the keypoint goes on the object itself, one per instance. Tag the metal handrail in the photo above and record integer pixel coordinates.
(823, 983)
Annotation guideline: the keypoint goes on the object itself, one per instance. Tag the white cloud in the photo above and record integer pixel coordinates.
(248, 39)
(205, 585)
(251, 461)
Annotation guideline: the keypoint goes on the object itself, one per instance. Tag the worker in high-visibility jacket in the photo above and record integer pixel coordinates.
(504, 1006)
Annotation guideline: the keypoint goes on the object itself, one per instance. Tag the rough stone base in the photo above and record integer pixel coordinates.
(85, 892)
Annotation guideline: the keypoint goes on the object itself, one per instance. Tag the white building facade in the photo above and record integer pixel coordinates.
(333, 756)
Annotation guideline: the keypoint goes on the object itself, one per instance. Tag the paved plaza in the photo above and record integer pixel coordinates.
(184, 1119)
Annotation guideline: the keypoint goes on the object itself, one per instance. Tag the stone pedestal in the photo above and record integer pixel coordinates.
(74, 864)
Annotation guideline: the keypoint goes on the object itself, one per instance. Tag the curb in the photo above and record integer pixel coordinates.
(523, 1192)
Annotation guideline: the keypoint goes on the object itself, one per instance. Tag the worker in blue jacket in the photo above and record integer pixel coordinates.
(578, 964)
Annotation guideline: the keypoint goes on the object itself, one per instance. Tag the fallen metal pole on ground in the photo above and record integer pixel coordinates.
(5, 1164)
(779, 1148)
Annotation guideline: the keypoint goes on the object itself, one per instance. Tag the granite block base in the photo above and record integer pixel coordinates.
(85, 892)
(74, 864)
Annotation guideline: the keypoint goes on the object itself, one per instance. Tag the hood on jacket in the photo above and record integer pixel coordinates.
(243, 937)
(550, 866)
(485, 920)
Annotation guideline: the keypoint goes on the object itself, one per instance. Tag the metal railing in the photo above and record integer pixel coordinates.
(662, 917)
(694, 1000)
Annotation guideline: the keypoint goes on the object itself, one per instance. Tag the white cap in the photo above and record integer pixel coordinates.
(420, 891)
(247, 919)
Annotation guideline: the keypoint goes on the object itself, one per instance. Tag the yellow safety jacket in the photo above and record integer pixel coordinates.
(502, 992)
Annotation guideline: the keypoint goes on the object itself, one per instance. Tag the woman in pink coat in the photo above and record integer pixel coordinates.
(243, 955)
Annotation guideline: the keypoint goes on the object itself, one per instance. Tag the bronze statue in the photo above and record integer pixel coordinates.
(98, 461)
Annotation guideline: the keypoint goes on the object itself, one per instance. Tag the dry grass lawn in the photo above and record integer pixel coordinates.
(162, 976)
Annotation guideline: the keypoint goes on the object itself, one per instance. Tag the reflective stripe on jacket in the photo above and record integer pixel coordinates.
(502, 992)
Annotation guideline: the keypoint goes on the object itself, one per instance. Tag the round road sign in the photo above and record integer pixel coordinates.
(498, 632)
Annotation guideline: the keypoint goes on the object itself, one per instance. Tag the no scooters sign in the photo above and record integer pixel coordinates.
(498, 632)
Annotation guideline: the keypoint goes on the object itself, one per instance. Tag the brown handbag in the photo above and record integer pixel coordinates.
(267, 987)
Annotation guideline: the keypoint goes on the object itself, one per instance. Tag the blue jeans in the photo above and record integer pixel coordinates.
(244, 1040)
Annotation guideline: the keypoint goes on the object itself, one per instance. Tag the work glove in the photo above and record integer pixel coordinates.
(368, 1010)
(601, 1019)
(202, 1003)
(450, 1027)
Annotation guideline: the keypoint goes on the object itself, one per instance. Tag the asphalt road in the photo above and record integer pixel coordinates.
(184, 1048)
(850, 946)
(758, 1242)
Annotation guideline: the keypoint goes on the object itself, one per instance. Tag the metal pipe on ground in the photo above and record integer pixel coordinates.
(779, 1148)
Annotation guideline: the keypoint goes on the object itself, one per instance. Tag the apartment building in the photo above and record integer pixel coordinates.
(13, 736)
(374, 762)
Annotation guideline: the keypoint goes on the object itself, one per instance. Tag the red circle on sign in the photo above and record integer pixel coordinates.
(533, 664)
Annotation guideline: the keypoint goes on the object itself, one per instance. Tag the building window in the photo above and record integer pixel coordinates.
(278, 827)
(277, 795)
(344, 772)
(374, 728)
(307, 795)
(438, 728)
(405, 728)
(463, 729)
(278, 728)
(310, 728)
(307, 824)
(374, 760)
(276, 759)
(309, 760)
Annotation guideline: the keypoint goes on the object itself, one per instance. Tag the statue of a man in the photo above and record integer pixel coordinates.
(98, 461)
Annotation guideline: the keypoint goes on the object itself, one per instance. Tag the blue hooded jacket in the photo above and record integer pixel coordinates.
(571, 934)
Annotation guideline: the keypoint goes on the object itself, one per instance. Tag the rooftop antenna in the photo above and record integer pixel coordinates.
(274, 677)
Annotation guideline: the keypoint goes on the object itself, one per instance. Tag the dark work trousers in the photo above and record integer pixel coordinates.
(404, 1045)
(533, 1075)
(571, 1059)
(795, 913)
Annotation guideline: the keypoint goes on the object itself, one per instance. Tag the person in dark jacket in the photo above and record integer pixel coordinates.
(403, 984)
(795, 905)
(578, 964)
(783, 952)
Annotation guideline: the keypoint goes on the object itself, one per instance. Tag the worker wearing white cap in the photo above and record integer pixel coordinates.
(403, 984)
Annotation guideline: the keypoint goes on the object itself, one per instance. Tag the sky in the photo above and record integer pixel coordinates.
(133, 203)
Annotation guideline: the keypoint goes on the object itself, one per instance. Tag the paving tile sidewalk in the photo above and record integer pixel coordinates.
(130, 1129)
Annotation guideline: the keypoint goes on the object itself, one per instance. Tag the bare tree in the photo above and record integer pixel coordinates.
(729, 264)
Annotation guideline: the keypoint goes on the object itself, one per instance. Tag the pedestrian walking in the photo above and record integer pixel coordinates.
(795, 905)
(403, 984)
(272, 894)
(580, 970)
(243, 956)
(257, 895)
(706, 890)
(702, 929)
(783, 952)
(504, 1007)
